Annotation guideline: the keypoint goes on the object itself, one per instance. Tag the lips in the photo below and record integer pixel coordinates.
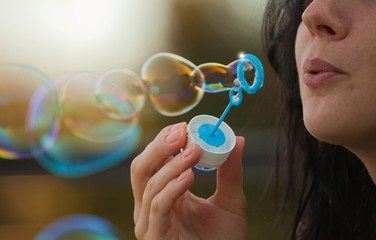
(318, 72)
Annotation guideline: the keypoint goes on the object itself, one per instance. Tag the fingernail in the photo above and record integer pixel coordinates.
(174, 136)
(177, 126)
(189, 150)
(184, 175)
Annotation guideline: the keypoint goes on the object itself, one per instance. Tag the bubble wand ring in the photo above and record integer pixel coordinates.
(259, 73)
(236, 96)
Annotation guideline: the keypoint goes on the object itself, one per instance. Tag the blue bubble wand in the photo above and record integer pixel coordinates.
(235, 100)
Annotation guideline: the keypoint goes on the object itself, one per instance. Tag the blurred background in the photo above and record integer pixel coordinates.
(60, 37)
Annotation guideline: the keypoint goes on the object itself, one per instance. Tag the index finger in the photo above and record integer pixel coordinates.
(170, 140)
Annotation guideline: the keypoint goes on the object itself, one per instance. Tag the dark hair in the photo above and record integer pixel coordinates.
(329, 188)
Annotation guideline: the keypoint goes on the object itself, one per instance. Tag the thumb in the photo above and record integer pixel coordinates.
(230, 177)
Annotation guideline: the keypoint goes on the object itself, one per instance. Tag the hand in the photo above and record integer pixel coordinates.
(166, 209)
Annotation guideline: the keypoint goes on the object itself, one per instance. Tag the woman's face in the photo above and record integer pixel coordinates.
(336, 60)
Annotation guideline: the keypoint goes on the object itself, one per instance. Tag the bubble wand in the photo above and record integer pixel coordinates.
(213, 135)
(236, 100)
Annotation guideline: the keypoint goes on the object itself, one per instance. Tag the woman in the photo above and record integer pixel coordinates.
(324, 52)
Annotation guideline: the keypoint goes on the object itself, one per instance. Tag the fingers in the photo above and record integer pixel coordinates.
(162, 189)
(230, 177)
(159, 151)
(163, 203)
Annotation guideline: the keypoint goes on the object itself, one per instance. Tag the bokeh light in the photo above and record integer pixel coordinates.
(29, 112)
(173, 85)
(80, 227)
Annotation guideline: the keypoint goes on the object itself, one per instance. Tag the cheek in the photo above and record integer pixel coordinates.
(302, 49)
(299, 46)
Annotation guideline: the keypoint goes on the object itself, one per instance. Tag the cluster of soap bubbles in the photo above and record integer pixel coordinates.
(87, 122)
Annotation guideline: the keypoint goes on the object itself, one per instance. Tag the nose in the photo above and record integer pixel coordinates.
(326, 19)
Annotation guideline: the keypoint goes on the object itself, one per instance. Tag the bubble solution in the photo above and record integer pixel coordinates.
(214, 138)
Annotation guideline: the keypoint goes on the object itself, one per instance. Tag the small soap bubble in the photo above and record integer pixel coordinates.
(120, 93)
(220, 78)
(29, 112)
(172, 83)
(249, 71)
(94, 112)
(80, 227)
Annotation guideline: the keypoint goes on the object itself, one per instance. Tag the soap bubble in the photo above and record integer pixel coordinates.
(220, 78)
(83, 99)
(120, 93)
(172, 83)
(249, 70)
(73, 157)
(77, 152)
(29, 112)
(80, 227)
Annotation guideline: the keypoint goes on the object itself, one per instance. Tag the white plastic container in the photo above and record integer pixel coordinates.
(212, 157)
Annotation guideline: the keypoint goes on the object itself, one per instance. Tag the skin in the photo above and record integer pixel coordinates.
(166, 209)
(341, 111)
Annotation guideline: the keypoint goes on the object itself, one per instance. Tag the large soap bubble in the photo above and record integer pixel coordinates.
(92, 108)
(29, 112)
(173, 85)
(90, 140)
(73, 157)
(80, 227)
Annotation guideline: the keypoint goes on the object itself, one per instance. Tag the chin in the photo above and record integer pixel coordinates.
(323, 136)
(323, 120)
(326, 130)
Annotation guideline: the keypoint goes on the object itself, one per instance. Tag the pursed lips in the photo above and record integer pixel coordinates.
(317, 72)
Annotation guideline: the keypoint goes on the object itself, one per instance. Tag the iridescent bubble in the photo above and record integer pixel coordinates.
(220, 78)
(120, 93)
(76, 153)
(74, 157)
(174, 85)
(249, 71)
(29, 112)
(85, 108)
(80, 227)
